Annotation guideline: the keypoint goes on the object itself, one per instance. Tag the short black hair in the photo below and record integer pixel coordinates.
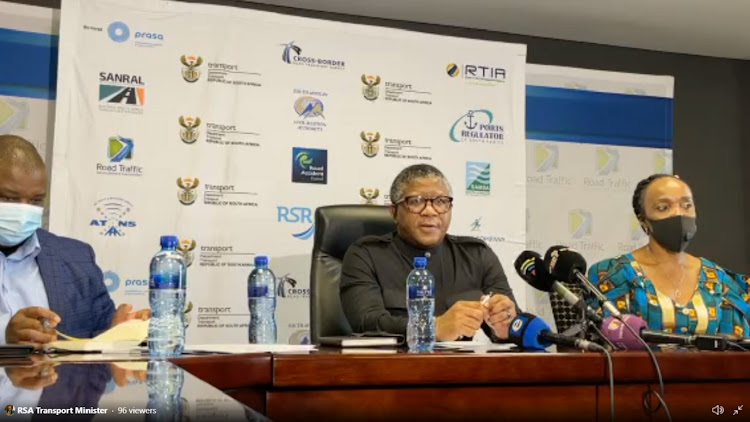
(413, 172)
(640, 190)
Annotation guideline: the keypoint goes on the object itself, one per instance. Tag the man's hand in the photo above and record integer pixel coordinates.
(464, 318)
(40, 375)
(501, 311)
(26, 327)
(32, 377)
(124, 313)
(124, 377)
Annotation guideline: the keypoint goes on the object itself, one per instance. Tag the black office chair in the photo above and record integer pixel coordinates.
(336, 228)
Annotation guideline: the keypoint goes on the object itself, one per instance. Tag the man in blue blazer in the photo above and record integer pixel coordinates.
(47, 282)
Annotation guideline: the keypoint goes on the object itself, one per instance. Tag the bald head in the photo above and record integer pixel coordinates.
(22, 174)
(18, 152)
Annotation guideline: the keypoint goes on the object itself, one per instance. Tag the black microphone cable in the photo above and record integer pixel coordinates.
(611, 377)
(657, 367)
(650, 391)
(737, 346)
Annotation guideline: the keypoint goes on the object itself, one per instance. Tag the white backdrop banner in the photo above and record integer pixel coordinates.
(593, 136)
(228, 127)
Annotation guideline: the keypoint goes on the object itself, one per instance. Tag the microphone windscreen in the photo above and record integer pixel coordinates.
(614, 330)
(562, 263)
(524, 332)
(531, 269)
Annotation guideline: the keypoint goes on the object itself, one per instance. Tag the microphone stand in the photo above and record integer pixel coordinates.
(590, 329)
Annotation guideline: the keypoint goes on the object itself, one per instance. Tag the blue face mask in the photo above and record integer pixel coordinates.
(18, 222)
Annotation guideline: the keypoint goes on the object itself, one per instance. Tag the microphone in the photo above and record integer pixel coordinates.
(531, 268)
(616, 332)
(530, 332)
(568, 265)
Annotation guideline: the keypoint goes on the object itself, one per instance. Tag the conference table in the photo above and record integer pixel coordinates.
(334, 386)
(331, 385)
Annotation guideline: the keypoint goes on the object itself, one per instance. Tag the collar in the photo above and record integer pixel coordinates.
(410, 251)
(29, 249)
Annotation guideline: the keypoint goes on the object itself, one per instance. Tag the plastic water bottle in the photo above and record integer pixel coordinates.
(167, 284)
(164, 382)
(420, 296)
(261, 299)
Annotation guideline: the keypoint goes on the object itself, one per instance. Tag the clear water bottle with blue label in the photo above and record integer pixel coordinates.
(167, 285)
(261, 299)
(164, 381)
(420, 297)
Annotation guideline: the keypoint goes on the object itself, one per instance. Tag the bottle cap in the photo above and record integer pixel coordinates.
(261, 261)
(169, 241)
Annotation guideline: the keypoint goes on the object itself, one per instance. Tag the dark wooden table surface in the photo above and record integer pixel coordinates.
(328, 385)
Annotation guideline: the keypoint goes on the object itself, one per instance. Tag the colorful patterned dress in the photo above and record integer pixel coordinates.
(721, 303)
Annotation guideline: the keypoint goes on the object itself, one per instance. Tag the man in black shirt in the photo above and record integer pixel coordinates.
(373, 277)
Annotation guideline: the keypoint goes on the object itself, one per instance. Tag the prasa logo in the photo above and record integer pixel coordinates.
(149, 36)
(120, 32)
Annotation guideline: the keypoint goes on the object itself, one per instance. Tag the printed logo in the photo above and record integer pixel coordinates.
(189, 132)
(607, 160)
(282, 282)
(119, 149)
(190, 71)
(517, 324)
(186, 194)
(121, 92)
(309, 107)
(300, 337)
(477, 178)
(476, 228)
(118, 31)
(309, 165)
(370, 146)
(293, 55)
(13, 114)
(477, 126)
(186, 248)
(371, 91)
(546, 157)
(580, 223)
(111, 280)
(663, 162)
(290, 49)
(299, 215)
(453, 70)
(287, 288)
(369, 195)
(132, 286)
(472, 72)
(112, 220)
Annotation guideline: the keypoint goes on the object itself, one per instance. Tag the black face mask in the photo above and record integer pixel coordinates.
(674, 233)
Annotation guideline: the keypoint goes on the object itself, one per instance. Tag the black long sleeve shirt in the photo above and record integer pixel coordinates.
(373, 278)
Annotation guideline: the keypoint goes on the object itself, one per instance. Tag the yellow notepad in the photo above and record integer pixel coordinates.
(120, 338)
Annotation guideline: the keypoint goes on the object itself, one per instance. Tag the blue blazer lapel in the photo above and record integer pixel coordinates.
(48, 268)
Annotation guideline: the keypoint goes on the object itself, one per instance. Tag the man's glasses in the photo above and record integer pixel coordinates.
(417, 204)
